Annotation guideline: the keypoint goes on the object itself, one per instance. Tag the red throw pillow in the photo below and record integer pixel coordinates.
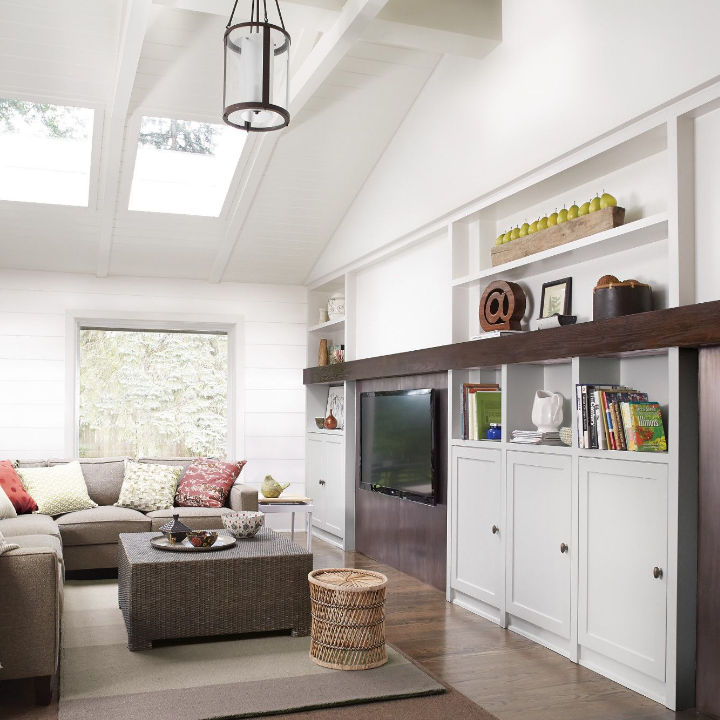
(207, 483)
(15, 490)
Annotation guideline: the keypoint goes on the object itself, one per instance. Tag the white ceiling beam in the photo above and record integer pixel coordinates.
(417, 37)
(137, 16)
(330, 49)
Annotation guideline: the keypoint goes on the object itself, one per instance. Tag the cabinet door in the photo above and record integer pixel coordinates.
(334, 491)
(477, 551)
(315, 470)
(538, 574)
(623, 538)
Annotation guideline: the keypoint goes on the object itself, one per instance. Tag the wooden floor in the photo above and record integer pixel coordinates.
(508, 675)
(503, 672)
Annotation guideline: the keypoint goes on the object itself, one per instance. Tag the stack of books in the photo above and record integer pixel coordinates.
(614, 417)
(479, 406)
(535, 437)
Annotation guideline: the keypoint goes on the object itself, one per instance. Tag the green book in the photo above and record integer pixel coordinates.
(487, 406)
(644, 429)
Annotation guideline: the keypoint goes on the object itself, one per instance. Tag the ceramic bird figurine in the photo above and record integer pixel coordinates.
(271, 488)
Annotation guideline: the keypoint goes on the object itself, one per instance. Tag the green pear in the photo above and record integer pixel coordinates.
(584, 209)
(562, 216)
(533, 227)
(507, 237)
(607, 200)
(552, 219)
(595, 204)
(524, 229)
(543, 223)
(573, 211)
(500, 239)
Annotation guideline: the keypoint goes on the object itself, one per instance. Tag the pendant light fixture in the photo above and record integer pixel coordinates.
(257, 61)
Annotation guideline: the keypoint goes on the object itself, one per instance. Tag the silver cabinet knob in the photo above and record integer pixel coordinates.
(322, 482)
(495, 529)
(657, 573)
(563, 548)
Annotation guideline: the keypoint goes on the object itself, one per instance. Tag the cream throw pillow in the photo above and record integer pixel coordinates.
(57, 490)
(149, 487)
(7, 509)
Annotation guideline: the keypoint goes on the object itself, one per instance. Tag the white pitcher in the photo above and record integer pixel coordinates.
(547, 411)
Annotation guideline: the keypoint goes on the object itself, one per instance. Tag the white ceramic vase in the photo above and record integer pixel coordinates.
(336, 306)
(547, 413)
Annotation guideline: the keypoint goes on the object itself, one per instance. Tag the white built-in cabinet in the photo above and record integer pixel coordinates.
(539, 531)
(325, 477)
(477, 522)
(623, 562)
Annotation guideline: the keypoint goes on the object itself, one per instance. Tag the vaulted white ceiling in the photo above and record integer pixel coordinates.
(356, 69)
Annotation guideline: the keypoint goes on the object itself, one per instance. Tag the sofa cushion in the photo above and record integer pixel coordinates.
(148, 487)
(207, 483)
(196, 518)
(100, 525)
(38, 541)
(6, 545)
(58, 489)
(103, 477)
(29, 525)
(30, 463)
(13, 486)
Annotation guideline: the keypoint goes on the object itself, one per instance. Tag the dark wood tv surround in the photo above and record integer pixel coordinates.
(406, 535)
(690, 326)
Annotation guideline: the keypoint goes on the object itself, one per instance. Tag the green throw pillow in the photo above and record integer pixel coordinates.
(148, 487)
(57, 490)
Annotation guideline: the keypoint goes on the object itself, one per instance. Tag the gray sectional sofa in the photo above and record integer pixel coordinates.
(31, 577)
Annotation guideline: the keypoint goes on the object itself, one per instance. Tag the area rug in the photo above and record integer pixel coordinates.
(235, 678)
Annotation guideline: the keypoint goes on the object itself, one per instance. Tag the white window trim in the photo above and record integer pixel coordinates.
(234, 326)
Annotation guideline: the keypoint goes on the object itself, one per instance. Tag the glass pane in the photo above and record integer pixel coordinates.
(153, 393)
(184, 167)
(45, 152)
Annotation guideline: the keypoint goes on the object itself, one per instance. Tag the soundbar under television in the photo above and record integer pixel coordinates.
(397, 444)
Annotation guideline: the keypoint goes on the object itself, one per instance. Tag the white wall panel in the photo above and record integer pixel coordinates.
(33, 393)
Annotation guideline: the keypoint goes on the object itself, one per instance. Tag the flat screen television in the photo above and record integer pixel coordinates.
(397, 444)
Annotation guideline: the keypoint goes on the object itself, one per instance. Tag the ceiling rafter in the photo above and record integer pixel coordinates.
(324, 57)
(137, 17)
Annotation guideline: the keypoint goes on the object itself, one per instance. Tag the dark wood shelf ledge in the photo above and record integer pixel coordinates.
(689, 326)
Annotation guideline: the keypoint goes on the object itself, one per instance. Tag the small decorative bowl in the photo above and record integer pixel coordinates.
(320, 422)
(202, 538)
(244, 523)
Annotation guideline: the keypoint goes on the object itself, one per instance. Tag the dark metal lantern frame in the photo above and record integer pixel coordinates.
(265, 29)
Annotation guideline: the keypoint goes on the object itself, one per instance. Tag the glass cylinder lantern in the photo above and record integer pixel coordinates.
(257, 61)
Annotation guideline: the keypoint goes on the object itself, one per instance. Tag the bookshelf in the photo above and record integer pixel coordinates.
(608, 506)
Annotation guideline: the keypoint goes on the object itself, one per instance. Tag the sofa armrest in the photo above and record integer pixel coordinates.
(243, 497)
(30, 608)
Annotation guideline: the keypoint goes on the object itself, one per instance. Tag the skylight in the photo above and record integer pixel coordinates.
(184, 167)
(45, 152)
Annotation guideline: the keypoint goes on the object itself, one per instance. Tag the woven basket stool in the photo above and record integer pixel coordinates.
(348, 619)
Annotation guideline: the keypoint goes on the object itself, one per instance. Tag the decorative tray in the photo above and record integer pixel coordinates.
(162, 543)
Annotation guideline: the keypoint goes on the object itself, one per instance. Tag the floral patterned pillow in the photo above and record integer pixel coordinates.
(148, 487)
(207, 483)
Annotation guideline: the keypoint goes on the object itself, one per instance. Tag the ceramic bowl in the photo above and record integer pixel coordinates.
(320, 422)
(202, 538)
(244, 523)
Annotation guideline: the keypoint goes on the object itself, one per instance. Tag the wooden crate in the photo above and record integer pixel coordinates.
(555, 235)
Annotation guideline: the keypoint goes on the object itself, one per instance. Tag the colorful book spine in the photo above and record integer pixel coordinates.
(644, 428)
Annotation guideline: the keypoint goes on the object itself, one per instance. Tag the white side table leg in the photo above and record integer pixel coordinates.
(309, 531)
(292, 526)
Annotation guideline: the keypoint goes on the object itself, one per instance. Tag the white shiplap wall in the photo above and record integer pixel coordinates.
(33, 310)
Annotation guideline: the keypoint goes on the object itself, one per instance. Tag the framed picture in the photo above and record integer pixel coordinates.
(556, 298)
(336, 403)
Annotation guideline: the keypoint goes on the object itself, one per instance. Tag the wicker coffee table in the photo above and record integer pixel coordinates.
(258, 585)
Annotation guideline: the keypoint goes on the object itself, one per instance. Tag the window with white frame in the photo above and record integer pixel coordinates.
(152, 393)
(184, 167)
(45, 152)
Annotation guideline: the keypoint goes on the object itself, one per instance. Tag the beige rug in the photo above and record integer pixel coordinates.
(101, 678)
